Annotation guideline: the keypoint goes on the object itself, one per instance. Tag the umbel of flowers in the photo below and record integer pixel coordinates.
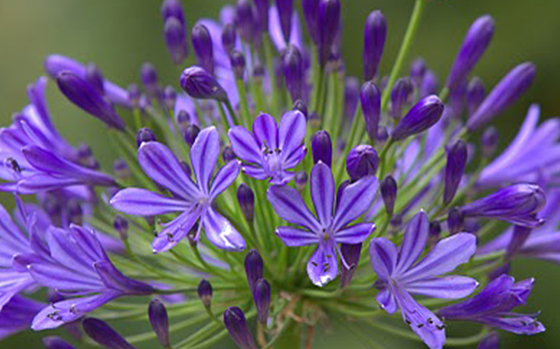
(284, 193)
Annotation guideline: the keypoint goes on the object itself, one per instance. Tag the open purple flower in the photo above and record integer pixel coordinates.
(400, 275)
(493, 307)
(194, 200)
(331, 225)
(271, 150)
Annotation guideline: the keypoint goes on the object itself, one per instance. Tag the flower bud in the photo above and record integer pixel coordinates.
(489, 140)
(475, 95)
(235, 323)
(328, 23)
(121, 226)
(134, 95)
(285, 11)
(351, 254)
(400, 96)
(370, 97)
(94, 77)
(246, 22)
(293, 71)
(183, 119)
(362, 161)
(88, 98)
(301, 106)
(321, 148)
(169, 97)
(53, 342)
(121, 169)
(237, 60)
(375, 33)
(475, 43)
(190, 133)
(144, 135)
(300, 179)
(253, 268)
(435, 231)
(175, 36)
(351, 96)
(419, 118)
(104, 335)
(228, 154)
(205, 293)
(310, 11)
(261, 296)
(160, 322)
(518, 239)
(173, 8)
(505, 93)
(429, 84)
(246, 200)
(418, 69)
(202, 45)
(149, 78)
(229, 36)
(455, 220)
(454, 170)
(198, 84)
(389, 191)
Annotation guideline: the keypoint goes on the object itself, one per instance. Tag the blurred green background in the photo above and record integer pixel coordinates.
(120, 35)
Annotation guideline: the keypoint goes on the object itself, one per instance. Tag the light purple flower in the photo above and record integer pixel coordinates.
(270, 151)
(193, 200)
(400, 275)
(330, 228)
(17, 314)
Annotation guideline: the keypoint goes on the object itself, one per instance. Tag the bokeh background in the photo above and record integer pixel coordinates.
(120, 35)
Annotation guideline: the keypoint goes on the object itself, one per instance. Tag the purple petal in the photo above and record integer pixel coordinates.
(515, 323)
(323, 265)
(39, 183)
(255, 172)
(446, 287)
(322, 192)
(244, 145)
(383, 255)
(266, 131)
(221, 232)
(143, 202)
(354, 201)
(415, 238)
(387, 301)
(295, 157)
(176, 230)
(289, 205)
(204, 155)
(114, 279)
(296, 237)
(292, 132)
(354, 234)
(225, 176)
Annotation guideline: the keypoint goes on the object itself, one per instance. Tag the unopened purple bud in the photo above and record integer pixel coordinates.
(375, 33)
(170, 97)
(84, 151)
(261, 295)
(389, 191)
(285, 11)
(121, 226)
(144, 135)
(382, 134)
(229, 36)
(228, 154)
(321, 148)
(310, 11)
(262, 12)
(183, 119)
(454, 170)
(475, 43)
(121, 169)
(362, 161)
(199, 84)
(246, 200)
(237, 60)
(253, 268)
(175, 36)
(104, 335)
(94, 77)
(258, 72)
(505, 93)
(491, 341)
(149, 78)
(435, 230)
(88, 98)
(419, 118)
(475, 95)
(351, 96)
(246, 22)
(173, 8)
(53, 342)
(351, 254)
(328, 23)
(301, 106)
(160, 322)
(190, 133)
(418, 69)
(490, 139)
(205, 293)
(134, 95)
(455, 220)
(293, 71)
(202, 45)
(518, 239)
(370, 98)
(300, 180)
(235, 323)
(400, 96)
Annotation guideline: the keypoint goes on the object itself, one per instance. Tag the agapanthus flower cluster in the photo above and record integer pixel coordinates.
(278, 190)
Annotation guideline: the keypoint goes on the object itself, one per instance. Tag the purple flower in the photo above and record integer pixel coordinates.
(194, 200)
(270, 150)
(375, 33)
(53, 342)
(454, 170)
(199, 84)
(203, 48)
(175, 37)
(104, 335)
(370, 98)
(493, 307)
(235, 323)
(419, 118)
(328, 229)
(17, 315)
(400, 275)
(285, 11)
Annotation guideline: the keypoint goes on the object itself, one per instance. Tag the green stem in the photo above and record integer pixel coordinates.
(245, 113)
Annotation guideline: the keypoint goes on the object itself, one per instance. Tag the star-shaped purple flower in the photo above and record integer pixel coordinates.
(271, 150)
(328, 229)
(399, 275)
(194, 200)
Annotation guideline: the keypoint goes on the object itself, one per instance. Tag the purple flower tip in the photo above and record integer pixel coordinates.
(144, 135)
(205, 293)
(293, 71)
(389, 193)
(246, 200)
(321, 148)
(235, 323)
(175, 37)
(419, 118)
(203, 47)
(362, 161)
(375, 33)
(199, 84)
(237, 60)
(370, 98)
(53, 342)
(104, 335)
(160, 322)
(456, 162)
(253, 267)
(261, 295)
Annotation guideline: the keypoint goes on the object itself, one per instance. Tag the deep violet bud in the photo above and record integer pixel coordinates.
(205, 293)
(160, 322)
(202, 45)
(389, 191)
(169, 97)
(300, 179)
(253, 268)
(475, 95)
(351, 254)
(418, 69)
(454, 170)
(94, 77)
(121, 169)
(173, 8)
(190, 133)
(246, 22)
(419, 118)
(175, 36)
(518, 239)
(301, 106)
(310, 11)
(88, 98)
(489, 140)
(505, 93)
(261, 295)
(199, 84)
(321, 147)
(429, 84)
(375, 33)
(228, 154)
(183, 119)
(144, 135)
(435, 230)
(475, 43)
(262, 7)
(328, 23)
(246, 200)
(229, 36)
(121, 226)
(235, 323)
(491, 341)
(382, 134)
(53, 342)
(370, 98)
(293, 71)
(400, 96)
(134, 95)
(104, 335)
(455, 220)
(285, 11)
(149, 78)
(237, 60)
(351, 96)
(362, 161)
